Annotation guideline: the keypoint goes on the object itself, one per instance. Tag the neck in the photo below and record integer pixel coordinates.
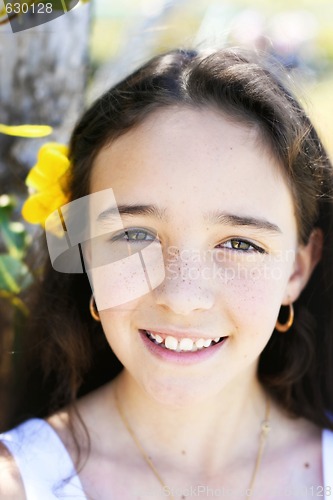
(207, 433)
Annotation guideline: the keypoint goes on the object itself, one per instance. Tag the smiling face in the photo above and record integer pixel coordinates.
(225, 222)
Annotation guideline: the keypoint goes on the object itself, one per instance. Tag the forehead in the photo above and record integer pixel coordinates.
(196, 158)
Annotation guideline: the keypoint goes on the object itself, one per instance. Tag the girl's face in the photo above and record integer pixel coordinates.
(225, 222)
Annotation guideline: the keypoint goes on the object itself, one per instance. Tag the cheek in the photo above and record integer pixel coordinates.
(118, 283)
(121, 276)
(253, 294)
(116, 323)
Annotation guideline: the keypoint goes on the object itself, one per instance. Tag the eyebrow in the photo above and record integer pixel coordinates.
(215, 217)
(130, 210)
(237, 220)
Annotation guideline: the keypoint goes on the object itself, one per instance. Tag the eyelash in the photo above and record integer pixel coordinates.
(254, 248)
(124, 237)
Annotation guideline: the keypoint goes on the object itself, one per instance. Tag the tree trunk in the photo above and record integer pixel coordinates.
(43, 73)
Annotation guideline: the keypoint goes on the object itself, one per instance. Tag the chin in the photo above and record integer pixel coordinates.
(179, 393)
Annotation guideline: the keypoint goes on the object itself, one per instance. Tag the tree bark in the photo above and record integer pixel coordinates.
(43, 73)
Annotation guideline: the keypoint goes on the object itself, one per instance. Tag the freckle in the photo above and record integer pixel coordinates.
(183, 452)
(307, 465)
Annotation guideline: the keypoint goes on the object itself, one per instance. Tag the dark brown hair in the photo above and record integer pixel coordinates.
(70, 353)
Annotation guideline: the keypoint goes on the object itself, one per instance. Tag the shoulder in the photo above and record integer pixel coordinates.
(87, 429)
(17, 448)
(37, 456)
(11, 485)
(84, 425)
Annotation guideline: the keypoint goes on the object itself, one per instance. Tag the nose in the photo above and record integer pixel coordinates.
(187, 287)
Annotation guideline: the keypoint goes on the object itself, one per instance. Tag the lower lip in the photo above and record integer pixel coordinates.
(182, 358)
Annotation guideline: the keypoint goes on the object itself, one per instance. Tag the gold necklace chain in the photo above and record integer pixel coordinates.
(265, 428)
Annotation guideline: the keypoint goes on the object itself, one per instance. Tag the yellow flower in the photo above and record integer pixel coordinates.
(47, 182)
(26, 130)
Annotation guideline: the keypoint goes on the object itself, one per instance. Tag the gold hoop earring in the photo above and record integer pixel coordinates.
(285, 327)
(93, 310)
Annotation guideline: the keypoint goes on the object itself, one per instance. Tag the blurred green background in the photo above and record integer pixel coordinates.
(299, 32)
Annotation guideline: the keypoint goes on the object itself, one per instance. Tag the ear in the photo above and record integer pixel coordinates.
(306, 259)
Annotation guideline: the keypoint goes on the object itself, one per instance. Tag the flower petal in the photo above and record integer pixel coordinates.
(37, 180)
(49, 177)
(39, 206)
(26, 130)
(52, 162)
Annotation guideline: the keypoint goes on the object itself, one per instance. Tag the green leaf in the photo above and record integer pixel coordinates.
(7, 205)
(15, 238)
(13, 234)
(14, 274)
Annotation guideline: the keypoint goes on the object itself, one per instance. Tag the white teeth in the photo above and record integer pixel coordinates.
(156, 337)
(186, 345)
(171, 343)
(200, 343)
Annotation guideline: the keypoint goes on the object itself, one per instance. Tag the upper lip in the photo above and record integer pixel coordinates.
(180, 334)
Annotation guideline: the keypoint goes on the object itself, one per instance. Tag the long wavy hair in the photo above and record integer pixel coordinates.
(67, 354)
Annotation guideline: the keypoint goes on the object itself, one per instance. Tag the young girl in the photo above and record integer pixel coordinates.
(200, 209)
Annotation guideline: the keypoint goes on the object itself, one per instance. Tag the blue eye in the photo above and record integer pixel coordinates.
(134, 235)
(241, 245)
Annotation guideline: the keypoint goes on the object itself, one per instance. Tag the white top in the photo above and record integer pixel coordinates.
(46, 468)
(48, 472)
